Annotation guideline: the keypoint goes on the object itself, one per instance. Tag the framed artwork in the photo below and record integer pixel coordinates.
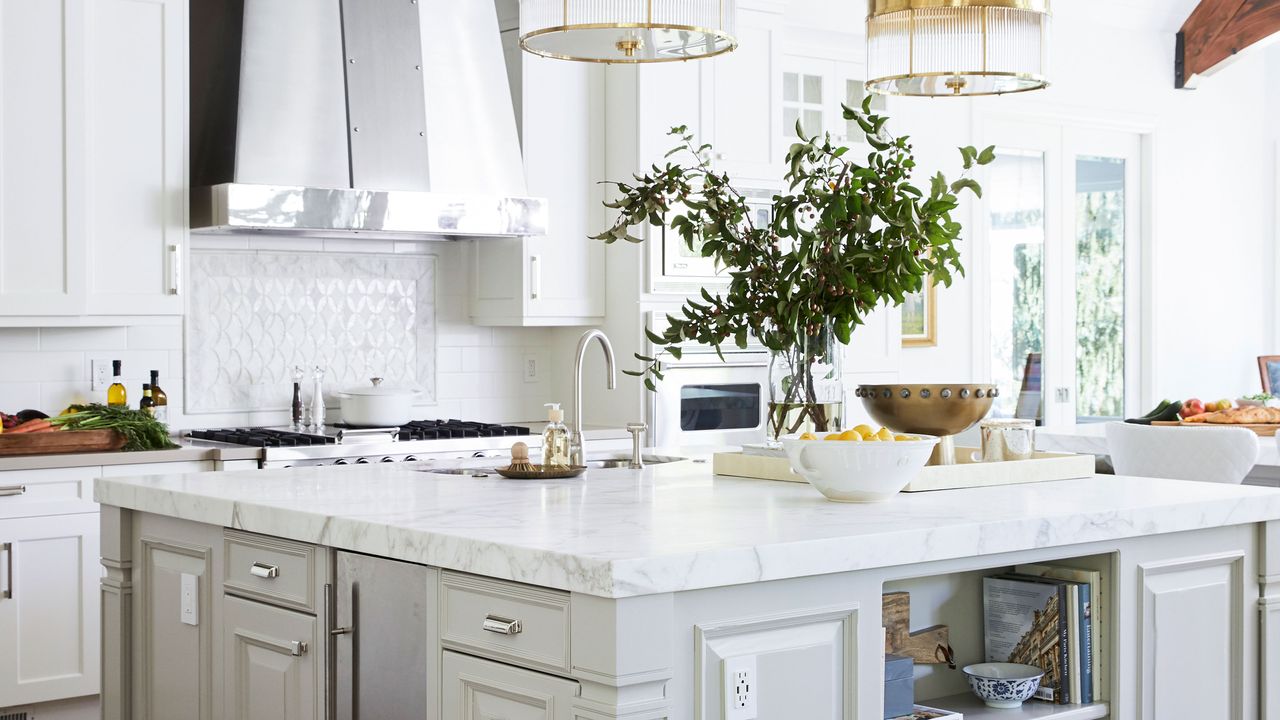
(920, 317)
(1269, 369)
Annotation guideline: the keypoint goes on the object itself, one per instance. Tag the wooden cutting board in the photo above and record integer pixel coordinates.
(1262, 430)
(60, 441)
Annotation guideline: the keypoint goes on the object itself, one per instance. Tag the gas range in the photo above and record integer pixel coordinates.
(341, 445)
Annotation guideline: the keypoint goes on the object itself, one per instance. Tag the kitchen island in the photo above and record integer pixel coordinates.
(626, 593)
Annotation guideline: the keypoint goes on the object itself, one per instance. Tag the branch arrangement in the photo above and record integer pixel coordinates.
(845, 238)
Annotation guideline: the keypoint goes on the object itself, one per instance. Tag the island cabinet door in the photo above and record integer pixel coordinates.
(48, 608)
(476, 689)
(272, 664)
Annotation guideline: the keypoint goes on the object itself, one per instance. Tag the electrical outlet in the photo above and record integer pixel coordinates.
(189, 603)
(530, 367)
(741, 688)
(100, 372)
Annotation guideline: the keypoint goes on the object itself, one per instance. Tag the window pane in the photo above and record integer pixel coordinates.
(1016, 196)
(813, 122)
(1099, 208)
(790, 87)
(854, 92)
(813, 89)
(789, 117)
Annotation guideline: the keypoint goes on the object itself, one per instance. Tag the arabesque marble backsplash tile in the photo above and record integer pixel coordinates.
(255, 315)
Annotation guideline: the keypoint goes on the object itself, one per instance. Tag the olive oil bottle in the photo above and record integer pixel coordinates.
(117, 396)
(147, 405)
(159, 398)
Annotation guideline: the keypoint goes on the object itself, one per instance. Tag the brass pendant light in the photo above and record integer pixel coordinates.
(949, 48)
(627, 31)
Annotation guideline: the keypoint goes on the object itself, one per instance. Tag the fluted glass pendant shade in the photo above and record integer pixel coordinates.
(627, 31)
(939, 48)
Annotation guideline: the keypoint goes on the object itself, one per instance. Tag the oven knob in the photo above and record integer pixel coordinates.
(410, 458)
(387, 459)
(479, 454)
(340, 461)
(362, 461)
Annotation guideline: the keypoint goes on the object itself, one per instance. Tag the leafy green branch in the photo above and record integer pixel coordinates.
(845, 238)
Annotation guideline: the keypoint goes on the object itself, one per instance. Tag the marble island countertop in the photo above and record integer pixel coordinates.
(619, 533)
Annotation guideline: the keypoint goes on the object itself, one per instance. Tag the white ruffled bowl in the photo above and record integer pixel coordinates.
(858, 472)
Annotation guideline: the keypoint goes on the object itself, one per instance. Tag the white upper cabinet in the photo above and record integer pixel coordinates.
(558, 278)
(93, 97)
(745, 88)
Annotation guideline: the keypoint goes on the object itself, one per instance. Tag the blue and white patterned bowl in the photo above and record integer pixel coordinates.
(1003, 685)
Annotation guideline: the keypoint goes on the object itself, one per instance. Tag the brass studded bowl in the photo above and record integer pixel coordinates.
(934, 409)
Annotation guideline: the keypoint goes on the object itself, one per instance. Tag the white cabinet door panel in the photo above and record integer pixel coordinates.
(48, 608)
(747, 126)
(135, 220)
(1193, 638)
(39, 252)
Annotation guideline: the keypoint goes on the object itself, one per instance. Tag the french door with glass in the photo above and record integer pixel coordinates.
(1060, 254)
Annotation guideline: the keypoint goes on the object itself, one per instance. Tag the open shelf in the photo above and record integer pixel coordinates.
(973, 709)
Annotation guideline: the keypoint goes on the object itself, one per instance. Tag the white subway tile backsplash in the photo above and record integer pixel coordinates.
(154, 337)
(19, 339)
(15, 396)
(56, 396)
(75, 338)
(449, 360)
(43, 366)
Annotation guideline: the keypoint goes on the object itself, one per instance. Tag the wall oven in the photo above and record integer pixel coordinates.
(704, 401)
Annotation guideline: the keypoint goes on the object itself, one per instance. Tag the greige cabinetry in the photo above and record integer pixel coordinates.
(476, 689)
(270, 660)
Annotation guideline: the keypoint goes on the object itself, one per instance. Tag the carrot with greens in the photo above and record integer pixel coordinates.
(40, 425)
(140, 429)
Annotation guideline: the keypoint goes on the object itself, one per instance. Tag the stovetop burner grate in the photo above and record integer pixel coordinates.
(262, 437)
(455, 429)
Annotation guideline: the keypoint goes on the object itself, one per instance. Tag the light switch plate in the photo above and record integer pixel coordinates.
(189, 611)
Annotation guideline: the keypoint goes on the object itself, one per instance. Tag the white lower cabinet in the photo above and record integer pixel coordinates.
(48, 608)
(272, 663)
(475, 689)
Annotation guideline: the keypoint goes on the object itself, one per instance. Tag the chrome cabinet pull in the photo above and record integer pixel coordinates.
(175, 269)
(265, 571)
(535, 277)
(298, 648)
(11, 490)
(502, 626)
(6, 549)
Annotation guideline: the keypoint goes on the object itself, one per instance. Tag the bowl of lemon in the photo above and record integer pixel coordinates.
(859, 465)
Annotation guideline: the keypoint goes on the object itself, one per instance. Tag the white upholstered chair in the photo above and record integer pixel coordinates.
(1211, 454)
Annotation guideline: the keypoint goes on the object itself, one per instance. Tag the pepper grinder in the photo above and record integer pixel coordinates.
(317, 399)
(296, 407)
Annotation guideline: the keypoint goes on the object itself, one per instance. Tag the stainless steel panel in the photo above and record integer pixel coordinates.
(291, 125)
(235, 207)
(386, 106)
(381, 663)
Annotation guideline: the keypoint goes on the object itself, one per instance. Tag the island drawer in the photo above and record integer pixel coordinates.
(273, 570)
(509, 621)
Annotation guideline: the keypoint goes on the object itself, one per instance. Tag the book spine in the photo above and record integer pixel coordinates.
(1086, 644)
(1064, 646)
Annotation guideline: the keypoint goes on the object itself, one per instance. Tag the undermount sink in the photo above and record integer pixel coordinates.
(622, 461)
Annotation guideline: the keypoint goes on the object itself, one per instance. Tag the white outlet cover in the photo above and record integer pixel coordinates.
(100, 374)
(529, 367)
(741, 691)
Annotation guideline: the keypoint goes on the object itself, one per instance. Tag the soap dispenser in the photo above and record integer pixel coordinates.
(555, 439)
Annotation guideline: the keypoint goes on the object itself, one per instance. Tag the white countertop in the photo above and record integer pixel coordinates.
(618, 533)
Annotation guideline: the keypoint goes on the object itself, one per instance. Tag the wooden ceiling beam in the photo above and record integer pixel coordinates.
(1217, 31)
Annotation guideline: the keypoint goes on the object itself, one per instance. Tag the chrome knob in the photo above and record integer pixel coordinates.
(387, 459)
(340, 461)
(362, 461)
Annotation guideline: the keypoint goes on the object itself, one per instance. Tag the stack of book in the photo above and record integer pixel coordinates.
(1050, 617)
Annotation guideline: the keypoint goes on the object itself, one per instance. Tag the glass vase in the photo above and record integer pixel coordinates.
(806, 389)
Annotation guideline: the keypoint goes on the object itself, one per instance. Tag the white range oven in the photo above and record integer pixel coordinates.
(703, 400)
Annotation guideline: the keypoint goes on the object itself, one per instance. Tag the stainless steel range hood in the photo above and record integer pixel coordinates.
(370, 118)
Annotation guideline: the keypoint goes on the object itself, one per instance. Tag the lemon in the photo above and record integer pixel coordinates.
(864, 430)
(808, 436)
(851, 436)
(902, 438)
(833, 436)
(885, 434)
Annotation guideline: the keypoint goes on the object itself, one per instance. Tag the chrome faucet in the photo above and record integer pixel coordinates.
(577, 453)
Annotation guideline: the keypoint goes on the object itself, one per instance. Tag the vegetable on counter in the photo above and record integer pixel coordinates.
(140, 429)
